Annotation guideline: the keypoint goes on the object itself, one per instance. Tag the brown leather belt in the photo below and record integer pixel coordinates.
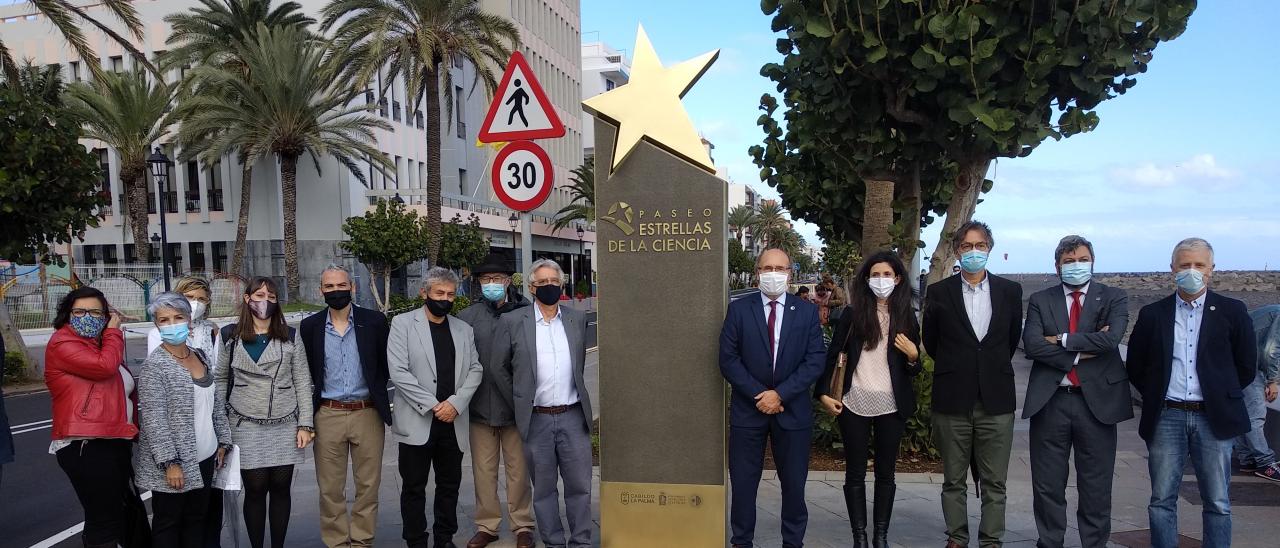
(554, 410)
(1197, 406)
(347, 405)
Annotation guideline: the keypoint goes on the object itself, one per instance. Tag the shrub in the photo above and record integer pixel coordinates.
(919, 436)
(15, 367)
(400, 304)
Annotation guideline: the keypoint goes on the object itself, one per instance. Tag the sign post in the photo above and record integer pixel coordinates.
(521, 175)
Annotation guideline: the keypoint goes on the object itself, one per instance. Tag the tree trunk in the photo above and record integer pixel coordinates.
(376, 274)
(289, 189)
(877, 217)
(911, 216)
(12, 336)
(964, 199)
(135, 188)
(434, 182)
(44, 289)
(242, 223)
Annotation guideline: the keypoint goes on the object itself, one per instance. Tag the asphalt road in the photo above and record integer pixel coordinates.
(37, 503)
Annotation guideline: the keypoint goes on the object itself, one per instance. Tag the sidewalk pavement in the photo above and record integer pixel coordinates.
(917, 519)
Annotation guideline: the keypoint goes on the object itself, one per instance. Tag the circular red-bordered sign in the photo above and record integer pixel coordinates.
(522, 176)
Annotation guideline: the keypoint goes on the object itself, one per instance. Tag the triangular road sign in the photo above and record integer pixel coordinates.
(520, 110)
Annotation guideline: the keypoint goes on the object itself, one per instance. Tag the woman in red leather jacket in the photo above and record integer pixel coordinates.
(93, 410)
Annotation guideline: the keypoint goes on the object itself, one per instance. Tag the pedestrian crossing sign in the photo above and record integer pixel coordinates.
(520, 110)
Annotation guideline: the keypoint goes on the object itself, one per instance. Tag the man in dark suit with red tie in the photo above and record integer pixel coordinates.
(771, 352)
(1076, 394)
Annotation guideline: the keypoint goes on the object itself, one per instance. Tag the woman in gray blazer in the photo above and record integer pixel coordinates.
(183, 435)
(263, 380)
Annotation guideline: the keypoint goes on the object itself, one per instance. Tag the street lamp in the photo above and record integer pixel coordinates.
(581, 233)
(159, 164)
(514, 220)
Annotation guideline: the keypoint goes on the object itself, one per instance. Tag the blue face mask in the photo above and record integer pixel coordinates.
(174, 334)
(973, 261)
(88, 326)
(494, 292)
(1190, 281)
(1077, 273)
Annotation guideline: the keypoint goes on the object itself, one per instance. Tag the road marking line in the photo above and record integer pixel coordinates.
(72, 531)
(17, 426)
(33, 429)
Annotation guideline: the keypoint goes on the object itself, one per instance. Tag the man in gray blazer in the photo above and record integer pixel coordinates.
(435, 369)
(539, 353)
(1076, 395)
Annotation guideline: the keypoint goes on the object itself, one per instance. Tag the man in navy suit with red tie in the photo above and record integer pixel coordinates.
(771, 352)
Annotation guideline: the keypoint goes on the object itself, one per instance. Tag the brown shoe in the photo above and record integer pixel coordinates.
(524, 539)
(954, 544)
(481, 540)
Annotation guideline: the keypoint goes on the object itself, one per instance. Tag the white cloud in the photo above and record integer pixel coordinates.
(1198, 169)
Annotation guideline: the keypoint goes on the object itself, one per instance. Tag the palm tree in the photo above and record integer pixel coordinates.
(204, 36)
(286, 102)
(582, 186)
(416, 39)
(127, 112)
(67, 18)
(741, 218)
(771, 223)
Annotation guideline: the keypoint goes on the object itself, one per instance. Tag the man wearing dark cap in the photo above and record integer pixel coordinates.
(493, 427)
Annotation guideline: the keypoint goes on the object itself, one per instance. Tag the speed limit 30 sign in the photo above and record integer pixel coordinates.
(521, 175)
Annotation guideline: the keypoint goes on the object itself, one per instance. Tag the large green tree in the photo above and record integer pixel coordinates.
(128, 112)
(464, 244)
(953, 84)
(384, 239)
(582, 196)
(416, 40)
(47, 178)
(286, 102)
(207, 35)
(69, 19)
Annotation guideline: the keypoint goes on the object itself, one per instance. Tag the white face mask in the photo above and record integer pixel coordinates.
(882, 287)
(773, 284)
(197, 309)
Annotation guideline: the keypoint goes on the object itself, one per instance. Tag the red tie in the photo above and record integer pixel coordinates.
(773, 316)
(1074, 320)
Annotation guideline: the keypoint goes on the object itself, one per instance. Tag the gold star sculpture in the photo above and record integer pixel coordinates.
(648, 106)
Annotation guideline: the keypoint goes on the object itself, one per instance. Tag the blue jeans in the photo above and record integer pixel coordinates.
(1177, 434)
(1251, 447)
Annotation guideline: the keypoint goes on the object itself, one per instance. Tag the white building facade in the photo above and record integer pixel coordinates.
(203, 202)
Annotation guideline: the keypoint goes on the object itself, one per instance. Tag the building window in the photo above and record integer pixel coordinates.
(109, 254)
(220, 256)
(175, 257)
(74, 69)
(215, 186)
(462, 182)
(117, 64)
(457, 61)
(89, 255)
(193, 187)
(609, 85)
(382, 107)
(197, 256)
(459, 111)
(417, 119)
(104, 183)
(395, 110)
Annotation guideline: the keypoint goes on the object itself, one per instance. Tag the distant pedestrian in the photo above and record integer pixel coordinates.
(93, 422)
(972, 326)
(822, 296)
(184, 437)
(1252, 450)
(540, 355)
(1190, 355)
(435, 368)
(265, 384)
(803, 293)
(494, 435)
(1075, 396)
(880, 338)
(346, 349)
(955, 269)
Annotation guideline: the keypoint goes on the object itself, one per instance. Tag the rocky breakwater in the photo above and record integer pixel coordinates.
(1233, 281)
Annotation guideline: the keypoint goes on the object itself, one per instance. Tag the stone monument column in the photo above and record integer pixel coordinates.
(663, 276)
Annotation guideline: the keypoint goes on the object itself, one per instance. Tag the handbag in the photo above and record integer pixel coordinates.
(835, 390)
(227, 478)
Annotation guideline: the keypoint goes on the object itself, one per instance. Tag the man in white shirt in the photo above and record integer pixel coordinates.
(539, 354)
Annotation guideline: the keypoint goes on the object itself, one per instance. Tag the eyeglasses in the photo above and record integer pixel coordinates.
(545, 282)
(82, 312)
(980, 246)
(773, 269)
(494, 279)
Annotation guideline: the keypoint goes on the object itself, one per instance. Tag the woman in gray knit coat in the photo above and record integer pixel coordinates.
(263, 380)
(183, 435)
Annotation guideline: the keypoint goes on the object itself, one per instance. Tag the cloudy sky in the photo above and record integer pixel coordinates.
(1194, 149)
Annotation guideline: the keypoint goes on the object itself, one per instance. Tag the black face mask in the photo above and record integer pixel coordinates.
(338, 300)
(439, 309)
(548, 294)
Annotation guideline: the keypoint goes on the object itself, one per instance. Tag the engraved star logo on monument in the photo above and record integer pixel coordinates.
(648, 106)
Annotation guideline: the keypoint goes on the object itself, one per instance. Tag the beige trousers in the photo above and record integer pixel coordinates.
(487, 444)
(359, 434)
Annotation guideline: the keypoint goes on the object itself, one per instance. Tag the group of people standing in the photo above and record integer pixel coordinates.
(502, 381)
(1203, 368)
